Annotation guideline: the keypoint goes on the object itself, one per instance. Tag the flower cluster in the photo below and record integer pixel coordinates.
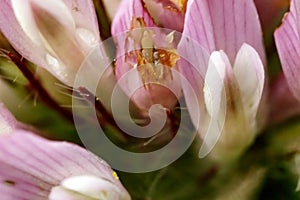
(209, 54)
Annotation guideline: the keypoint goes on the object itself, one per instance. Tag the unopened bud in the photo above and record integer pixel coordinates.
(87, 187)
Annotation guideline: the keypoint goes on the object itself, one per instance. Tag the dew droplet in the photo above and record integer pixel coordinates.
(56, 67)
(87, 36)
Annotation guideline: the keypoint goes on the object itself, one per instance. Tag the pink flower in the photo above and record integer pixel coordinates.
(35, 168)
(222, 42)
(148, 52)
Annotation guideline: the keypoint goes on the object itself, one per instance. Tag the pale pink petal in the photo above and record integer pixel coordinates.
(122, 24)
(126, 11)
(224, 25)
(31, 166)
(84, 15)
(193, 66)
(7, 121)
(288, 46)
(17, 37)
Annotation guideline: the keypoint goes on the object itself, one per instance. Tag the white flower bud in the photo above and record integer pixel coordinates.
(87, 187)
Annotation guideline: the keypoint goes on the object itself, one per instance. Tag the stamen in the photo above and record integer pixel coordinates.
(152, 62)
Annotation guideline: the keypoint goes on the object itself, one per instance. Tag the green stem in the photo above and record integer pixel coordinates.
(37, 85)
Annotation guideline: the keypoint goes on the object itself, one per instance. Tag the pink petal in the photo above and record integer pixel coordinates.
(18, 39)
(193, 66)
(84, 15)
(127, 10)
(30, 166)
(224, 25)
(288, 46)
(122, 23)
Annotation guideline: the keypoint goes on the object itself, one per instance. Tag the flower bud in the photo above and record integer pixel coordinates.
(232, 97)
(87, 187)
(226, 70)
(54, 34)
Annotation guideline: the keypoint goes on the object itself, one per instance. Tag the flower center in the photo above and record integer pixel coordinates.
(154, 54)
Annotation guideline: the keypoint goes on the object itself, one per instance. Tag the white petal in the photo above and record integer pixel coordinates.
(58, 9)
(214, 82)
(23, 13)
(92, 186)
(249, 74)
(215, 99)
